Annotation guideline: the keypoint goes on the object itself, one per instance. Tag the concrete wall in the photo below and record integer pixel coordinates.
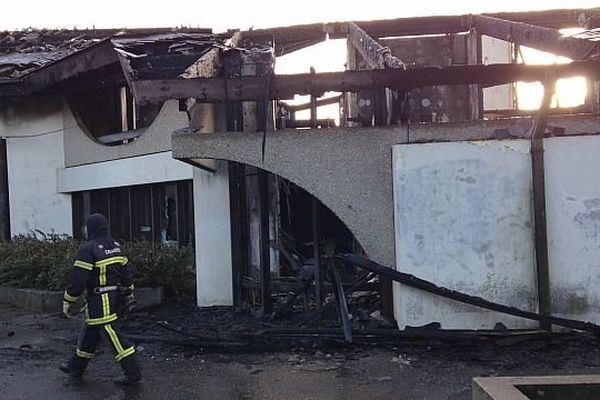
(34, 153)
(159, 167)
(81, 149)
(34, 201)
(573, 215)
(213, 237)
(463, 220)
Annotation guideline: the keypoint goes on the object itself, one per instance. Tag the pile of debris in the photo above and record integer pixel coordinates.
(350, 316)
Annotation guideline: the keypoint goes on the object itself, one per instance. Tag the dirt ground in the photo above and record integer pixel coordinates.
(32, 345)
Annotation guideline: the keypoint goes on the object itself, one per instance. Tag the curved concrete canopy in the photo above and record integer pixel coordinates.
(350, 173)
(350, 169)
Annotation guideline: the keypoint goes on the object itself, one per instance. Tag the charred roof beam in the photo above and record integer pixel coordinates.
(287, 37)
(286, 86)
(538, 37)
(376, 55)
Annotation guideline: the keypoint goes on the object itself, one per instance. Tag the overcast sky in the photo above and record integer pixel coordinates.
(242, 14)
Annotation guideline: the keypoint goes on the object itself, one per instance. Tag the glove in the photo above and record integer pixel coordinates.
(128, 305)
(67, 309)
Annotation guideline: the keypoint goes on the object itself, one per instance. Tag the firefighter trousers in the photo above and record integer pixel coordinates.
(89, 338)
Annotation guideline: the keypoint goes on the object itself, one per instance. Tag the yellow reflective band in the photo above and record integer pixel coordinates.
(102, 278)
(114, 339)
(124, 354)
(121, 353)
(84, 354)
(131, 287)
(84, 265)
(69, 298)
(112, 260)
(100, 321)
(105, 305)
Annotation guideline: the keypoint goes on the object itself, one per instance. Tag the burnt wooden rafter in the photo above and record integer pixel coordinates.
(291, 38)
(286, 86)
(376, 55)
(537, 37)
(209, 64)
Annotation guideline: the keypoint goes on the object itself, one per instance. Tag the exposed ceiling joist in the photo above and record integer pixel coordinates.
(286, 86)
(376, 55)
(537, 37)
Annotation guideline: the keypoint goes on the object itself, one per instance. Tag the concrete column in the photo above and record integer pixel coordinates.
(213, 237)
(212, 219)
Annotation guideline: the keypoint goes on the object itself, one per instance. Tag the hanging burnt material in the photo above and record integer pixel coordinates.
(421, 284)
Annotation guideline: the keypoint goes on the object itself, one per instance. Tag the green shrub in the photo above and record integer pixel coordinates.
(162, 265)
(44, 261)
(39, 263)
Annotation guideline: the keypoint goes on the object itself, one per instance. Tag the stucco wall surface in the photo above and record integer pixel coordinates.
(34, 202)
(573, 215)
(463, 219)
(34, 143)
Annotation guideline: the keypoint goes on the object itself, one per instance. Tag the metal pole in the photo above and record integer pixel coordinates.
(539, 204)
(315, 217)
(264, 245)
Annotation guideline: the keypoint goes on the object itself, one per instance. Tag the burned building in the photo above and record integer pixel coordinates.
(433, 169)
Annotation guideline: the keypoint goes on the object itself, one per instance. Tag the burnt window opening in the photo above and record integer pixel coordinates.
(106, 110)
(161, 212)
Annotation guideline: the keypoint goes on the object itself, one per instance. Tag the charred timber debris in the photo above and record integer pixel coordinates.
(266, 335)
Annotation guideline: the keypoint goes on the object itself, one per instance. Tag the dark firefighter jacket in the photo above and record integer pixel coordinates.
(100, 263)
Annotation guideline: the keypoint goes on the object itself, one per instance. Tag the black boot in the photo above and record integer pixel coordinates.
(75, 367)
(132, 371)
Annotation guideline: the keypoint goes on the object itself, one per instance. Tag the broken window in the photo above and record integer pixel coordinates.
(110, 115)
(162, 212)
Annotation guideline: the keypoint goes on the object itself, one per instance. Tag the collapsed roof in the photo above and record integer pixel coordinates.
(26, 51)
(156, 62)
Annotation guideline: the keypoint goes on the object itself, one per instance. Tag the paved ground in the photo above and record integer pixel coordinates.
(32, 346)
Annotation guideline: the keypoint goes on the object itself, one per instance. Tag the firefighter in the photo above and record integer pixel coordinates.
(101, 269)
